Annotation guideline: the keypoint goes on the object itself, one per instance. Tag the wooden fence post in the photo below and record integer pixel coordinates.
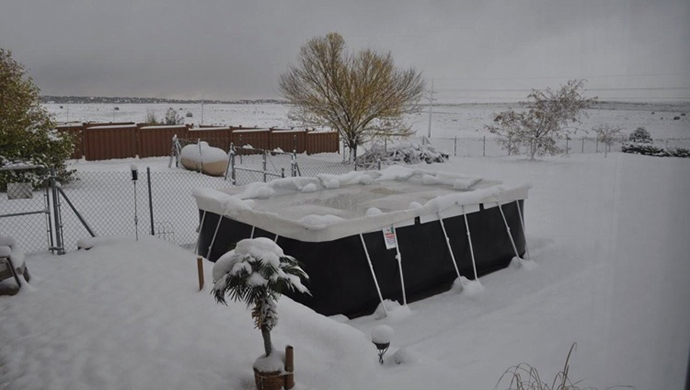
(200, 270)
(289, 367)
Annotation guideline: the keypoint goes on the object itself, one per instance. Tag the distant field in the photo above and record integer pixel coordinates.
(463, 121)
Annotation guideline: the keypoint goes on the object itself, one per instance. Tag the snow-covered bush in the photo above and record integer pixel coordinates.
(256, 272)
(545, 121)
(648, 149)
(27, 131)
(524, 376)
(405, 153)
(640, 135)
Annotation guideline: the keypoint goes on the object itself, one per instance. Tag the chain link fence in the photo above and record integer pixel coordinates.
(112, 203)
(488, 146)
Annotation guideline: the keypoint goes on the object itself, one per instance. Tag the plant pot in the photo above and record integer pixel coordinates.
(274, 380)
(20, 191)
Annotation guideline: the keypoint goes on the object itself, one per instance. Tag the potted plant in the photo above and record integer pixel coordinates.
(256, 272)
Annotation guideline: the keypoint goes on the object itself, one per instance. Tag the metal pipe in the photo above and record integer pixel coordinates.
(450, 250)
(79, 216)
(508, 230)
(148, 180)
(373, 274)
(469, 241)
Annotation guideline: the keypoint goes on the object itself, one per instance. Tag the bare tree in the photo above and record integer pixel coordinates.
(361, 95)
(546, 120)
(606, 134)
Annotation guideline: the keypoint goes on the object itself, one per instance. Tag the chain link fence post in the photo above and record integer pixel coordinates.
(57, 216)
(148, 180)
(263, 164)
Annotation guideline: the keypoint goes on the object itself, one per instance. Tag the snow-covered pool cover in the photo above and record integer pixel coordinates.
(329, 207)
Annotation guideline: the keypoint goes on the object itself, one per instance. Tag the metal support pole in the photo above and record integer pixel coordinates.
(148, 180)
(484, 148)
(77, 213)
(566, 145)
(57, 217)
(524, 232)
(398, 257)
(198, 238)
(583, 144)
(215, 233)
(455, 146)
(469, 241)
(293, 165)
(263, 165)
(508, 230)
(373, 274)
(450, 250)
(46, 198)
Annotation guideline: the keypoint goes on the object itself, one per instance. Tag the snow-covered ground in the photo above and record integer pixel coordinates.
(464, 121)
(609, 236)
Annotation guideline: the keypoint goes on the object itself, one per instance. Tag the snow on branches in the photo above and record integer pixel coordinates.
(546, 120)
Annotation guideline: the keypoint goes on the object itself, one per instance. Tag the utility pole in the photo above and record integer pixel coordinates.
(202, 109)
(430, 98)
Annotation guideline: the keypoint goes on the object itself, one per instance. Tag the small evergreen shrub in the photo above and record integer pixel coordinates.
(640, 135)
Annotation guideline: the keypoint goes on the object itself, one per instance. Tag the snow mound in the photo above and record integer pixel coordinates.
(395, 311)
(468, 287)
(382, 334)
(311, 187)
(319, 221)
(404, 356)
(275, 362)
(518, 262)
(373, 211)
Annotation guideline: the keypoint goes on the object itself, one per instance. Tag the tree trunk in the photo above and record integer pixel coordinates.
(266, 334)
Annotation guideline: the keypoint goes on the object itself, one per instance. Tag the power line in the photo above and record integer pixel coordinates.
(564, 77)
(588, 89)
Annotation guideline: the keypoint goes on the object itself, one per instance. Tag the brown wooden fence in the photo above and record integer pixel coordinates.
(103, 141)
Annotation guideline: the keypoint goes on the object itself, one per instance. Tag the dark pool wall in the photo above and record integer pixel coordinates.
(340, 279)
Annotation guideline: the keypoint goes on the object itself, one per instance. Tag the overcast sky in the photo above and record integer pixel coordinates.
(237, 49)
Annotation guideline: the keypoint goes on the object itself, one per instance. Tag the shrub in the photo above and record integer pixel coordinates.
(648, 149)
(525, 377)
(546, 120)
(189, 114)
(28, 133)
(640, 135)
(406, 153)
(606, 135)
(172, 118)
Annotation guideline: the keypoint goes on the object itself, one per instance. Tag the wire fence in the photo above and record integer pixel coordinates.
(112, 203)
(490, 147)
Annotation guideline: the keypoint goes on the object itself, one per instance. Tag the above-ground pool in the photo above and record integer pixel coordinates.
(363, 237)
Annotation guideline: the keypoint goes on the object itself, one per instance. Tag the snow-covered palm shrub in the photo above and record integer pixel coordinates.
(405, 153)
(256, 272)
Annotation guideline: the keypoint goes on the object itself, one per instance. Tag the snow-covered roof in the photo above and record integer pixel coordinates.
(209, 128)
(250, 130)
(112, 127)
(161, 127)
(328, 207)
